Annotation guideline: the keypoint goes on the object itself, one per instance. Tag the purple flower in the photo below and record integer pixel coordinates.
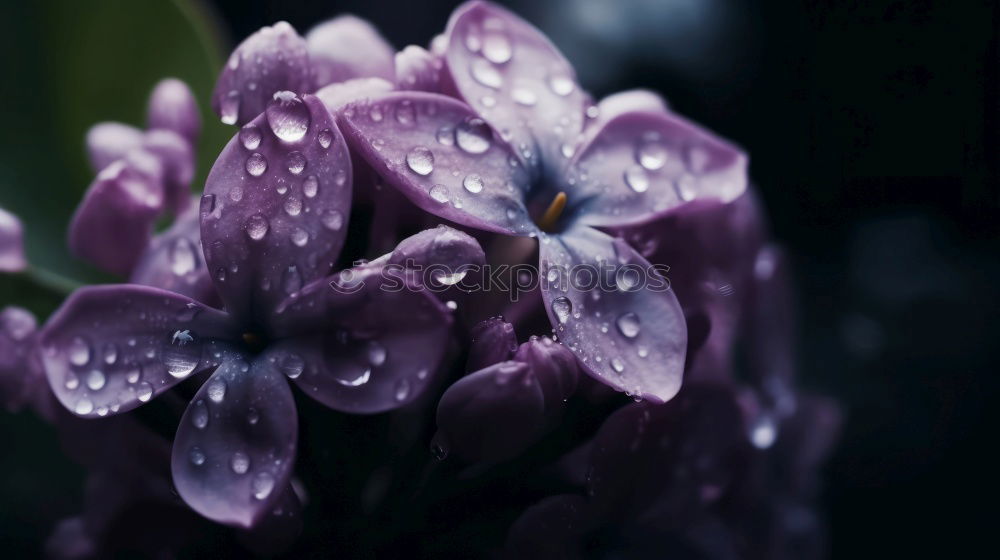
(11, 243)
(273, 220)
(519, 158)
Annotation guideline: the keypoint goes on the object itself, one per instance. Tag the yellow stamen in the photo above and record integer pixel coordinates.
(552, 214)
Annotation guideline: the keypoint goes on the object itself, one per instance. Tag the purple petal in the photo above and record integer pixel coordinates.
(271, 60)
(443, 254)
(626, 102)
(275, 207)
(640, 165)
(172, 106)
(109, 349)
(235, 447)
(348, 47)
(492, 414)
(177, 156)
(443, 157)
(114, 221)
(174, 261)
(371, 350)
(20, 378)
(11, 243)
(110, 141)
(516, 79)
(552, 528)
(417, 69)
(493, 341)
(614, 312)
(554, 366)
(335, 96)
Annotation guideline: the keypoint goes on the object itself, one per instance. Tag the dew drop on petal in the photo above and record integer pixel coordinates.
(79, 352)
(628, 324)
(618, 364)
(473, 183)
(288, 116)
(496, 47)
(293, 206)
(445, 136)
(357, 381)
(562, 308)
(197, 457)
(332, 220)
(420, 160)
(253, 416)
(310, 186)
(256, 165)
(239, 462)
(217, 390)
(250, 136)
(256, 227)
(486, 74)
(299, 237)
(72, 381)
(144, 391)
(325, 138)
(110, 353)
(199, 414)
(296, 162)
(262, 485)
(473, 136)
(636, 178)
(183, 256)
(84, 406)
(376, 353)
(561, 85)
(95, 380)
(405, 113)
(402, 390)
(524, 96)
(651, 154)
(230, 107)
(292, 366)
(439, 193)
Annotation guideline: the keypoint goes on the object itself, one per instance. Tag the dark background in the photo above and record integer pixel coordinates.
(874, 139)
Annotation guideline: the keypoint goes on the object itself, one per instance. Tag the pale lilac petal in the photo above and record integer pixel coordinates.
(443, 157)
(11, 243)
(109, 349)
(616, 104)
(492, 341)
(348, 47)
(516, 79)
(178, 159)
(110, 141)
(114, 221)
(276, 203)
(417, 69)
(235, 447)
(271, 60)
(641, 165)
(336, 95)
(614, 312)
(20, 378)
(374, 349)
(172, 106)
(174, 261)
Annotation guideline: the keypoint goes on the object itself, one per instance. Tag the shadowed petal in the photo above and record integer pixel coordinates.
(417, 69)
(172, 106)
(177, 156)
(493, 341)
(614, 312)
(442, 255)
(109, 141)
(335, 96)
(552, 528)
(642, 164)
(11, 243)
(274, 213)
(174, 261)
(235, 446)
(109, 349)
(371, 350)
(555, 368)
(348, 47)
(114, 221)
(516, 79)
(271, 60)
(443, 157)
(19, 380)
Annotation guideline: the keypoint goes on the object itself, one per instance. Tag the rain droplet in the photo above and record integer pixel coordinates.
(332, 220)
(420, 160)
(636, 178)
(79, 352)
(288, 116)
(325, 138)
(256, 165)
(562, 307)
(110, 353)
(296, 162)
(561, 85)
(217, 390)
(292, 366)
(84, 406)
(473, 136)
(300, 237)
(179, 361)
(197, 457)
(764, 432)
(439, 193)
(627, 279)
(376, 353)
(446, 278)
(405, 113)
(236, 193)
(293, 206)
(357, 381)
(250, 136)
(133, 375)
(496, 47)
(473, 183)
(446, 136)
(628, 324)
(310, 186)
(144, 391)
(618, 364)
(651, 154)
(567, 150)
(72, 381)
(642, 351)
(253, 416)
(524, 96)
(486, 74)
(256, 227)
(262, 485)
(95, 380)
(183, 256)
(230, 107)
(376, 114)
(402, 389)
(239, 462)
(199, 414)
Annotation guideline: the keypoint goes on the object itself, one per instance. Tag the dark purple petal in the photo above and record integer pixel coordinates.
(417, 69)
(174, 261)
(114, 221)
(335, 96)
(274, 213)
(11, 243)
(271, 60)
(278, 529)
(20, 378)
(443, 157)
(643, 164)
(172, 106)
(110, 141)
(555, 368)
(348, 47)
(492, 414)
(374, 349)
(516, 79)
(177, 156)
(552, 528)
(109, 349)
(614, 312)
(235, 447)
(443, 255)
(493, 341)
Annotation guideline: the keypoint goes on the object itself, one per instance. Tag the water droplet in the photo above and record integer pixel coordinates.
(627, 278)
(486, 74)
(207, 204)
(84, 406)
(376, 114)
(618, 364)
(262, 485)
(253, 416)
(376, 353)
(296, 163)
(567, 150)
(199, 414)
(524, 96)
(697, 159)
(420, 160)
(230, 107)
(144, 391)
(197, 457)
(291, 281)
(636, 178)
(628, 324)
(488, 101)
(256, 227)
(292, 366)
(293, 206)
(250, 136)
(216, 390)
(133, 375)
(473, 183)
(236, 193)
(651, 154)
(686, 187)
(561, 85)
(72, 381)
(110, 353)
(473, 136)
(179, 360)
(357, 381)
(439, 193)
(300, 237)
(562, 307)
(79, 352)
(95, 380)
(325, 138)
(402, 389)
(764, 432)
(447, 278)
(496, 47)
(183, 256)
(332, 220)
(405, 113)
(310, 186)
(256, 165)
(288, 116)
(445, 136)
(239, 462)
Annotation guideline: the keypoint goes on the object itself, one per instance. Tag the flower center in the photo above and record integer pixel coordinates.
(255, 342)
(550, 217)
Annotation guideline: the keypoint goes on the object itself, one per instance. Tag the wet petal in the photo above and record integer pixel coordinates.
(555, 368)
(19, 376)
(374, 349)
(516, 79)
(493, 341)
(417, 69)
(178, 159)
(109, 349)
(174, 261)
(109, 141)
(235, 447)
(172, 106)
(11, 243)
(274, 213)
(335, 96)
(625, 102)
(492, 414)
(642, 164)
(614, 312)
(443, 157)
(114, 221)
(271, 60)
(348, 47)
(442, 256)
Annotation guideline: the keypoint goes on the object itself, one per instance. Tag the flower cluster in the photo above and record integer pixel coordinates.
(255, 289)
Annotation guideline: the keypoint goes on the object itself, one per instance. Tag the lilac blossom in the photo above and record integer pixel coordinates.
(11, 243)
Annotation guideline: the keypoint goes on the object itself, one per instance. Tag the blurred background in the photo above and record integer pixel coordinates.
(874, 134)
